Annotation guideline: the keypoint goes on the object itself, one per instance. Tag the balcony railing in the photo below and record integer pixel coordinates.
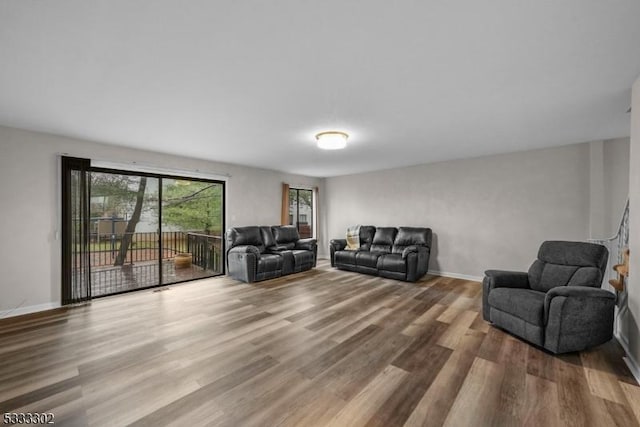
(104, 248)
(205, 250)
(616, 246)
(140, 268)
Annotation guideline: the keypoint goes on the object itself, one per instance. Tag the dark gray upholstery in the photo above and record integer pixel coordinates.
(286, 236)
(568, 264)
(260, 253)
(410, 237)
(367, 259)
(366, 236)
(526, 304)
(383, 239)
(397, 253)
(558, 303)
(392, 262)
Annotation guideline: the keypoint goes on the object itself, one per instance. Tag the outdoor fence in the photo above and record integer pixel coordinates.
(206, 249)
(141, 266)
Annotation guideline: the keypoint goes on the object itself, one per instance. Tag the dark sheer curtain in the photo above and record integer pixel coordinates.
(76, 274)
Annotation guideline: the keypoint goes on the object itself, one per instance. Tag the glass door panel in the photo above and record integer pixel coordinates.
(124, 249)
(192, 229)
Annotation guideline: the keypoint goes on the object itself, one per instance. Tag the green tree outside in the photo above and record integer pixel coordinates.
(193, 206)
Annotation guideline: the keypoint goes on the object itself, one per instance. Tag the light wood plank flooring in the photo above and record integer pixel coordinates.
(324, 347)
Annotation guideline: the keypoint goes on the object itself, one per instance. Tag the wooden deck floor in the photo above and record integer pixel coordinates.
(109, 280)
(318, 348)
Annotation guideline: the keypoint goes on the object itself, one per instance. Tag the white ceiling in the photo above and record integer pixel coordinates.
(250, 82)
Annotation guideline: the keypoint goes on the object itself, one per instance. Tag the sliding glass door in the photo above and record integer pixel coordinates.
(125, 231)
(192, 228)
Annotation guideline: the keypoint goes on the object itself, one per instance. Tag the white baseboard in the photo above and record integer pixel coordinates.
(629, 360)
(28, 309)
(455, 275)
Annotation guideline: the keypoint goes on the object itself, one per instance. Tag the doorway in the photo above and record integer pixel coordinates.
(124, 231)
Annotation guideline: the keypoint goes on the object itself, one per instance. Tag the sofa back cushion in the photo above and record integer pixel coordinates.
(562, 263)
(383, 239)
(366, 236)
(240, 236)
(267, 236)
(411, 236)
(285, 235)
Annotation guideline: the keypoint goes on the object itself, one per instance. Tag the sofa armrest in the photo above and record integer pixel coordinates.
(583, 292)
(580, 292)
(338, 244)
(500, 279)
(577, 317)
(245, 249)
(409, 250)
(507, 279)
(242, 262)
(308, 244)
(417, 261)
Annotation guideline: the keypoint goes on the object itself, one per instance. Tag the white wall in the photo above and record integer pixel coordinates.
(616, 182)
(633, 289)
(608, 186)
(29, 206)
(597, 208)
(488, 212)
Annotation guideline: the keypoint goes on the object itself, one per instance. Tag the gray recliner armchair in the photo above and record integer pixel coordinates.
(558, 303)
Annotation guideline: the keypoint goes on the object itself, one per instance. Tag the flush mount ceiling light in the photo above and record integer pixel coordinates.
(332, 140)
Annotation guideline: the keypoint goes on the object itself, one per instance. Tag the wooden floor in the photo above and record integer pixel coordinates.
(324, 347)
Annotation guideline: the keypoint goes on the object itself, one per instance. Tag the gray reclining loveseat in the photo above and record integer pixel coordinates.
(258, 253)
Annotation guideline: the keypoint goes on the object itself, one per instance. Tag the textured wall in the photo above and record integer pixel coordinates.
(616, 182)
(488, 212)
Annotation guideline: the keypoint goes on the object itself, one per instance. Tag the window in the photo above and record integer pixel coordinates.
(301, 211)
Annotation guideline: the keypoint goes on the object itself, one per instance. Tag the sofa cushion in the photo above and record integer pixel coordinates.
(579, 254)
(517, 326)
(285, 234)
(392, 262)
(345, 257)
(562, 263)
(383, 239)
(544, 276)
(367, 259)
(366, 236)
(240, 236)
(525, 304)
(411, 236)
(302, 257)
(269, 262)
(267, 236)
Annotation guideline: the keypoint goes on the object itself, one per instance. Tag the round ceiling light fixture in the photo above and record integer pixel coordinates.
(332, 140)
